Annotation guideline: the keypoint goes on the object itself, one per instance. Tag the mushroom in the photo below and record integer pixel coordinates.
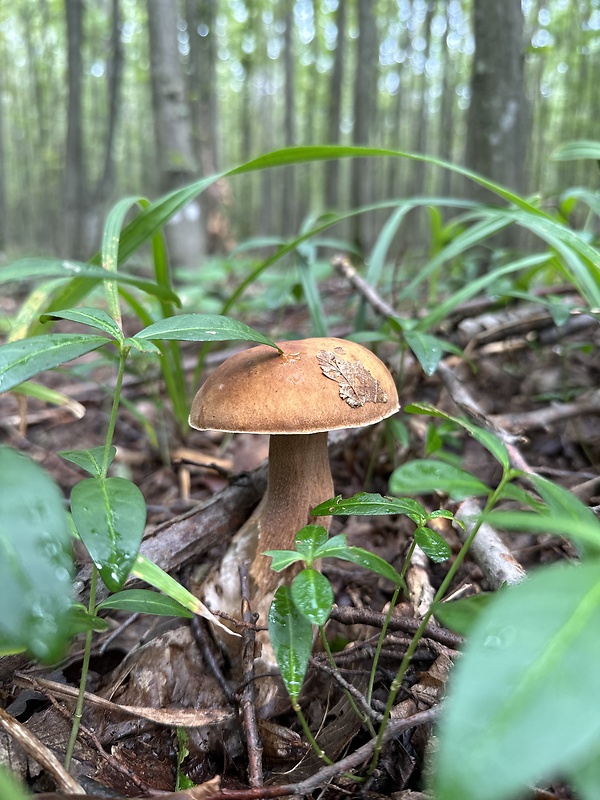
(313, 386)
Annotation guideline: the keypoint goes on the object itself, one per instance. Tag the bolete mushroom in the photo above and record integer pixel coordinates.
(297, 396)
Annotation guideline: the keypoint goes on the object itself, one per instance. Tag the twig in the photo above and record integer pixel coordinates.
(493, 557)
(343, 266)
(544, 417)
(255, 748)
(326, 774)
(198, 626)
(348, 615)
(361, 700)
(40, 753)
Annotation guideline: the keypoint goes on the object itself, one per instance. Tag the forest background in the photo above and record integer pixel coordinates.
(116, 97)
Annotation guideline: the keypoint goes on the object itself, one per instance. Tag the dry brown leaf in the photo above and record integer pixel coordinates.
(184, 717)
(357, 385)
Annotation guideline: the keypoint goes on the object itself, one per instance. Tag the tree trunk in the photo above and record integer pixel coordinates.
(497, 117)
(75, 181)
(365, 92)
(288, 204)
(332, 169)
(115, 73)
(3, 205)
(174, 149)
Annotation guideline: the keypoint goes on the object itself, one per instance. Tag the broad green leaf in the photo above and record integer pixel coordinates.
(486, 438)
(148, 571)
(312, 595)
(291, 636)
(110, 515)
(583, 532)
(427, 348)
(10, 788)
(366, 559)
(462, 615)
(94, 317)
(531, 659)
(432, 544)
(585, 777)
(145, 601)
(368, 504)
(562, 502)
(90, 460)
(25, 358)
(282, 559)
(203, 328)
(339, 540)
(426, 476)
(81, 621)
(308, 540)
(142, 345)
(35, 560)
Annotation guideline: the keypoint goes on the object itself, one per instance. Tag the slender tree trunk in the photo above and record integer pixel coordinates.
(365, 92)
(446, 113)
(3, 204)
(497, 117)
(336, 86)
(421, 127)
(289, 199)
(115, 74)
(75, 181)
(174, 148)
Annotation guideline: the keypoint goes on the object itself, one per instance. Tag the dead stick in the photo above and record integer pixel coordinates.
(40, 753)
(255, 749)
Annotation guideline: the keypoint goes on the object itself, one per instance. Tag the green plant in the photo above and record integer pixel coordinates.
(529, 659)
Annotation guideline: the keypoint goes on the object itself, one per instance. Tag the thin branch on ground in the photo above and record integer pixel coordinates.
(255, 748)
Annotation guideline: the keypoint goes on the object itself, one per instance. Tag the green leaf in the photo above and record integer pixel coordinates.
(23, 359)
(34, 268)
(427, 348)
(94, 317)
(367, 504)
(532, 659)
(462, 615)
(308, 540)
(142, 346)
(90, 460)
(432, 544)
(585, 778)
(110, 515)
(563, 503)
(577, 150)
(427, 476)
(145, 601)
(583, 532)
(148, 571)
(486, 438)
(312, 595)
(291, 636)
(203, 328)
(282, 559)
(10, 787)
(81, 621)
(365, 559)
(335, 542)
(35, 560)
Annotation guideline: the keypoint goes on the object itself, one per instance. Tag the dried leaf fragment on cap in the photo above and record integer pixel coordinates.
(357, 385)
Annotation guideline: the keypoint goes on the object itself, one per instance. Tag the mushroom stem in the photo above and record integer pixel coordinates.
(299, 479)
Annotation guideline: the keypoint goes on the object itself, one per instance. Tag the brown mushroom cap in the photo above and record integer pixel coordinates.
(316, 385)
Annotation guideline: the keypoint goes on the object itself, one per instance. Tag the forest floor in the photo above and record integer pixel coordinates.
(524, 375)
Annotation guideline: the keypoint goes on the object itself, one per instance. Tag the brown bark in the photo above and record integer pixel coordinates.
(174, 149)
(75, 182)
(336, 86)
(496, 136)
